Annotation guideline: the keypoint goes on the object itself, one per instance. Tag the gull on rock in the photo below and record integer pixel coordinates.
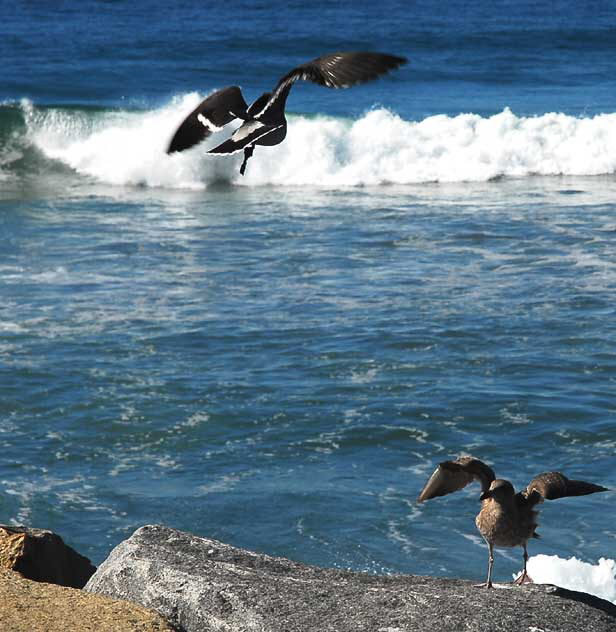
(505, 518)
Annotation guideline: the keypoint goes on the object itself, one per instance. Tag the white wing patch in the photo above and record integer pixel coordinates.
(207, 123)
(245, 136)
(248, 128)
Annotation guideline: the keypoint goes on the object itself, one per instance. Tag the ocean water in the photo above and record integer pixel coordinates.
(426, 267)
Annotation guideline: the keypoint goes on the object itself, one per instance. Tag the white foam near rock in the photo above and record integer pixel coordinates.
(595, 579)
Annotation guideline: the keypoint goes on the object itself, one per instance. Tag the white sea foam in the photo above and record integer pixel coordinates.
(128, 148)
(596, 579)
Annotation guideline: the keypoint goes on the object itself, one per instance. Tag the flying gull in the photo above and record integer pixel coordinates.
(505, 518)
(264, 122)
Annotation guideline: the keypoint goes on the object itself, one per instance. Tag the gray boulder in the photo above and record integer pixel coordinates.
(202, 585)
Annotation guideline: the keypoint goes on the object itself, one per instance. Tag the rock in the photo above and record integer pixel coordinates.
(202, 585)
(27, 606)
(42, 556)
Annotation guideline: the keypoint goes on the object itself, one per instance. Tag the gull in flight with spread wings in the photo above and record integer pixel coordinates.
(264, 122)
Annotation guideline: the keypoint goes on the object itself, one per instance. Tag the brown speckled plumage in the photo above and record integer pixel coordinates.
(505, 518)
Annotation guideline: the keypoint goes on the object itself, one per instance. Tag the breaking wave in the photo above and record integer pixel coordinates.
(128, 147)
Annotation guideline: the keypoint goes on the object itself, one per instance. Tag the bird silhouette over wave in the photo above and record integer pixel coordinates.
(264, 122)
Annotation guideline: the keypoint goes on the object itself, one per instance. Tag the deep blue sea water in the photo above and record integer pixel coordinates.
(425, 267)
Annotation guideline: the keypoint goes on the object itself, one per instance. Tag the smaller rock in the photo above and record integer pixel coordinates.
(27, 606)
(42, 556)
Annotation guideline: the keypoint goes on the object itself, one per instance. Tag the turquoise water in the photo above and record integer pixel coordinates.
(426, 267)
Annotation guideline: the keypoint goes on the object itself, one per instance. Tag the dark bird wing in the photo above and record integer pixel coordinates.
(450, 476)
(336, 70)
(552, 485)
(211, 115)
(342, 70)
(247, 134)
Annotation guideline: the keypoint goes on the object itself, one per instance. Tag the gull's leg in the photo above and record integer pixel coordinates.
(488, 583)
(524, 578)
(490, 564)
(247, 154)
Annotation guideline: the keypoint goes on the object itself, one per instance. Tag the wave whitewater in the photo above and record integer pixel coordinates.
(128, 148)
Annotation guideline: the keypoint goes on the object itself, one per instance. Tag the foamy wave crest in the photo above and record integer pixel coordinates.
(119, 147)
(128, 148)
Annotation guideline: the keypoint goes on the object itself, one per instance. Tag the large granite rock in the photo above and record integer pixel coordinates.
(42, 556)
(27, 606)
(202, 585)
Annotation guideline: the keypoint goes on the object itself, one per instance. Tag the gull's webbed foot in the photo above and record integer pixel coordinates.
(523, 578)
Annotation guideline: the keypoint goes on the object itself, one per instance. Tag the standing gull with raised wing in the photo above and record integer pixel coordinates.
(264, 122)
(505, 518)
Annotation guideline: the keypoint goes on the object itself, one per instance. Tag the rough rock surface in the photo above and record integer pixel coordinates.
(202, 585)
(27, 606)
(42, 556)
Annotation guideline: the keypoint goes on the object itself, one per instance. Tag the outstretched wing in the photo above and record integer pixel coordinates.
(337, 70)
(342, 70)
(450, 476)
(552, 485)
(211, 115)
